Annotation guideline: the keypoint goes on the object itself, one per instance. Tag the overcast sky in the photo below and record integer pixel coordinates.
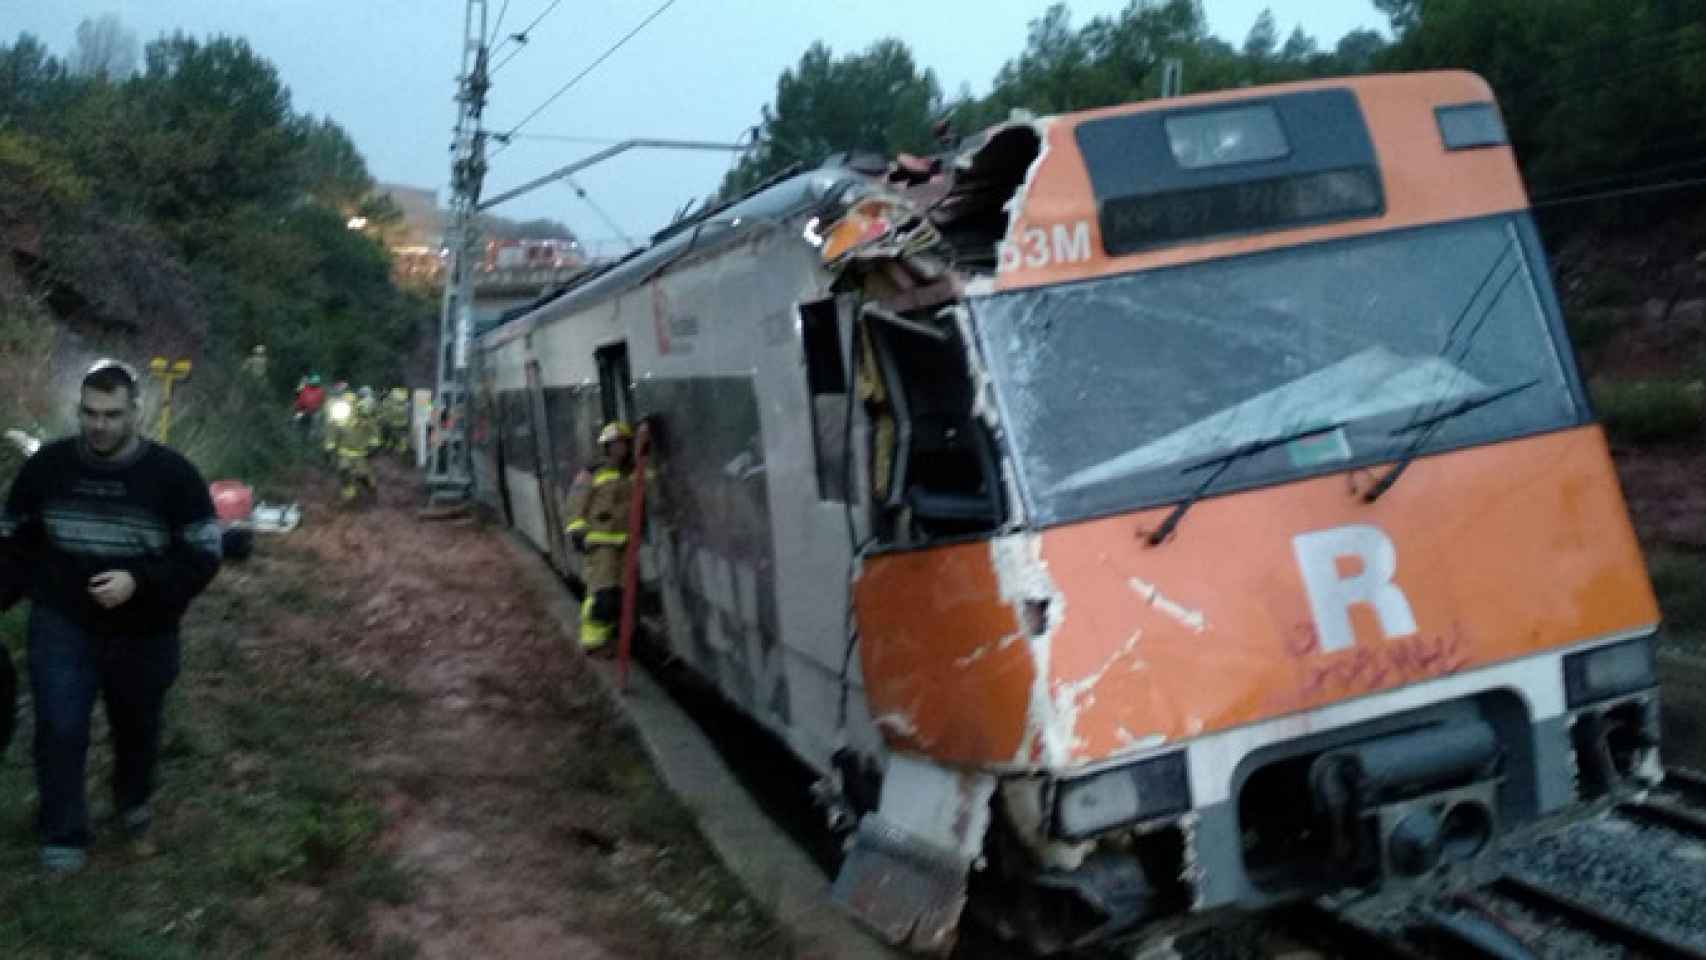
(384, 69)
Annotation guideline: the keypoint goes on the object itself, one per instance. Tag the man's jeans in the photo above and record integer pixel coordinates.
(69, 666)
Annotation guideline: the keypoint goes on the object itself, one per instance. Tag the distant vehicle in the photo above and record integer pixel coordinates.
(1209, 482)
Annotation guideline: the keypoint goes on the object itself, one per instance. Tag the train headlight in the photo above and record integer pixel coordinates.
(339, 411)
(1608, 671)
(1140, 791)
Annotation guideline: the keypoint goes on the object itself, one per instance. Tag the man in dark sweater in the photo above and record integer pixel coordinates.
(110, 536)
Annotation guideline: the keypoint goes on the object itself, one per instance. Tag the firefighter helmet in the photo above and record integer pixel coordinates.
(615, 430)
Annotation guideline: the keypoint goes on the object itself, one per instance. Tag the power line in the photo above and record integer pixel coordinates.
(589, 68)
(520, 37)
(608, 221)
(498, 26)
(1625, 192)
(568, 138)
(1631, 175)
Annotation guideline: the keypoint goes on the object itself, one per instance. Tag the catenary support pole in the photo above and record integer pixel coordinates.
(449, 466)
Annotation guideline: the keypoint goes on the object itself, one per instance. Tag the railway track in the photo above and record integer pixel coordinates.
(1630, 882)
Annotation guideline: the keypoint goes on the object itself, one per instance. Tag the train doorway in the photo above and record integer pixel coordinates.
(615, 384)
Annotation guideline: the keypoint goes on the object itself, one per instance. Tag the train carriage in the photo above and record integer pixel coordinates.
(1209, 483)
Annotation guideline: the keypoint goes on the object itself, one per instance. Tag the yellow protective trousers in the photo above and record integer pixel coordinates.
(601, 616)
(354, 471)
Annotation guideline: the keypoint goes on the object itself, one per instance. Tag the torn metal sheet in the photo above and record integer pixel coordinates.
(906, 874)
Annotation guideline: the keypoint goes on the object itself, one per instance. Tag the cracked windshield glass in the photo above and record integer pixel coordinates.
(1114, 389)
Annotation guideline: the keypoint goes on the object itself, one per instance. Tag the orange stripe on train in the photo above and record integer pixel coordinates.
(1496, 552)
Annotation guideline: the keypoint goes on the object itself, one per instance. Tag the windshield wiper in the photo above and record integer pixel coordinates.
(1431, 423)
(1221, 463)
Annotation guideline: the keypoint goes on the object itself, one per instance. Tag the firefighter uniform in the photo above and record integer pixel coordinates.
(598, 512)
(352, 438)
(394, 416)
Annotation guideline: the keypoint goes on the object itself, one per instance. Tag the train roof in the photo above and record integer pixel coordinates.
(769, 205)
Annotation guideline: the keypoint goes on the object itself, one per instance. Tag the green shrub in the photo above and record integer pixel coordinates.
(1591, 328)
(1650, 411)
(232, 426)
(1609, 287)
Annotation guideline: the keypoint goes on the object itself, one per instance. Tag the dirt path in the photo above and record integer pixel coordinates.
(514, 798)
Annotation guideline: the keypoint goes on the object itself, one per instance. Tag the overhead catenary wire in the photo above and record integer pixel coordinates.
(520, 37)
(498, 25)
(1624, 192)
(609, 221)
(1569, 189)
(565, 88)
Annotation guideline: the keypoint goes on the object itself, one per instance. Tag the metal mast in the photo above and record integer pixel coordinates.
(449, 467)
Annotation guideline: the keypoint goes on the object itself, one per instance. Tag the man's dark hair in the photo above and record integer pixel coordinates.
(109, 377)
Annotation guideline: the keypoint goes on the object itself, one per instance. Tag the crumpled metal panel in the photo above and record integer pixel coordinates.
(908, 892)
(906, 874)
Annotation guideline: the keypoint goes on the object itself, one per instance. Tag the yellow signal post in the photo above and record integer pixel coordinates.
(168, 373)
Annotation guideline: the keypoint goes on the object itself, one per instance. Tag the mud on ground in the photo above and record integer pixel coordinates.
(512, 793)
(382, 745)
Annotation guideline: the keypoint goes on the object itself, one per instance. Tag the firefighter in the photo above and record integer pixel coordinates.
(394, 415)
(352, 434)
(306, 410)
(598, 523)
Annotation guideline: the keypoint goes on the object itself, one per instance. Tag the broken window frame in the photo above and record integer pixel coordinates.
(894, 520)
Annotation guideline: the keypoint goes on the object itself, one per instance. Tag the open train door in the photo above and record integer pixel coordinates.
(552, 490)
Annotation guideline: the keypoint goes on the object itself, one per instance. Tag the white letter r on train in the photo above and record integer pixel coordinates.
(1331, 595)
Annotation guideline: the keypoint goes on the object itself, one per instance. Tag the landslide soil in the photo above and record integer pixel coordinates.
(513, 795)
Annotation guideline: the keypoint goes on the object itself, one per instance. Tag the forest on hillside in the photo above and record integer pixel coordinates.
(1598, 94)
(180, 203)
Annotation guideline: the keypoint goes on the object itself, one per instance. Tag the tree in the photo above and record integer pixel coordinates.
(332, 169)
(104, 50)
(1357, 51)
(208, 129)
(1402, 14)
(32, 85)
(1263, 38)
(1298, 47)
(876, 100)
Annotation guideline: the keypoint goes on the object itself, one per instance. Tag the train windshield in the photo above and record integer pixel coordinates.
(1117, 392)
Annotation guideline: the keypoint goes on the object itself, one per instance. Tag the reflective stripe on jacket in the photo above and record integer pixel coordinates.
(356, 437)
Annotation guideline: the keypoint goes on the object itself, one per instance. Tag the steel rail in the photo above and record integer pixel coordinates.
(1689, 783)
(1330, 929)
(1596, 921)
(1667, 815)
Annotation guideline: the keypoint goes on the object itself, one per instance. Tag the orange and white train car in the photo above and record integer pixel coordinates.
(1228, 522)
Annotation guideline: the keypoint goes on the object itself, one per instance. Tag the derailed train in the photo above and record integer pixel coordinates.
(1134, 514)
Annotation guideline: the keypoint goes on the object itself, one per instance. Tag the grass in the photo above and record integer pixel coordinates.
(259, 803)
(651, 844)
(1650, 411)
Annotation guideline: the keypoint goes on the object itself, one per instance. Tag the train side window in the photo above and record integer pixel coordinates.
(826, 382)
